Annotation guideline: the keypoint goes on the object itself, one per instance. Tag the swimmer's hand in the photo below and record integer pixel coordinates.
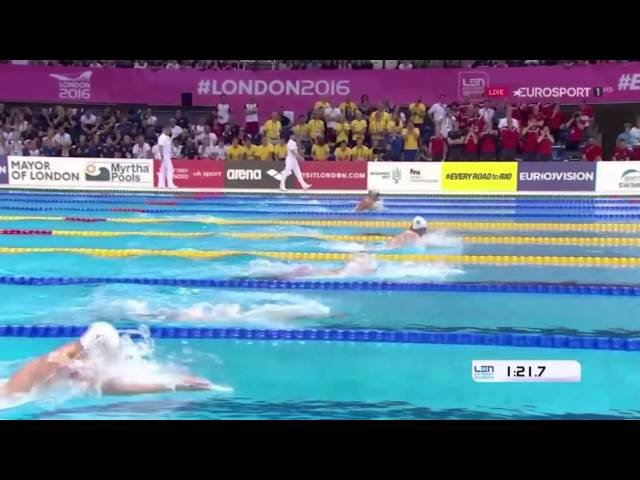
(194, 383)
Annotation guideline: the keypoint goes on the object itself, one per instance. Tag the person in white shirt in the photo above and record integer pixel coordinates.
(175, 130)
(438, 110)
(165, 176)
(176, 148)
(291, 165)
(332, 116)
(172, 65)
(447, 122)
(140, 64)
(62, 139)
(486, 112)
(141, 149)
(149, 119)
(207, 149)
(251, 118)
(89, 123)
(502, 123)
(405, 65)
(224, 112)
(635, 134)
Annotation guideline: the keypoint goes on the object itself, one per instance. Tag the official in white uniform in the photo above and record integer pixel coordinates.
(165, 176)
(291, 165)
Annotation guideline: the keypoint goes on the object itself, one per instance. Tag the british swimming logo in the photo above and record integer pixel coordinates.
(74, 87)
(629, 179)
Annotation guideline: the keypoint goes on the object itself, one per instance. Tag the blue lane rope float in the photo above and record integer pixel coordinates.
(349, 335)
(332, 214)
(390, 204)
(477, 287)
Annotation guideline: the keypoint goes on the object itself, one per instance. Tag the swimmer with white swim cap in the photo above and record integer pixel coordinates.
(412, 235)
(100, 340)
(370, 202)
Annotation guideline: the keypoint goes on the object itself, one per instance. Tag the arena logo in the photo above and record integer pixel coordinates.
(74, 88)
(279, 87)
(472, 84)
(244, 174)
(552, 92)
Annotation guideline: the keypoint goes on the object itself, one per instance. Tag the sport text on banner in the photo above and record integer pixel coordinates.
(479, 176)
(391, 177)
(559, 177)
(80, 172)
(195, 173)
(618, 176)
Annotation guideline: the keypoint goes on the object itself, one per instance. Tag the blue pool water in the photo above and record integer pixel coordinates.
(297, 379)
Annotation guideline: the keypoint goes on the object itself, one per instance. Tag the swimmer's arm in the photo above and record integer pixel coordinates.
(118, 387)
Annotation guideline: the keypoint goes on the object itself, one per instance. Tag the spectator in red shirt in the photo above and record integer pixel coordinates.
(508, 140)
(437, 146)
(471, 145)
(488, 143)
(521, 113)
(622, 151)
(555, 120)
(545, 145)
(576, 132)
(530, 142)
(592, 151)
(586, 113)
(536, 116)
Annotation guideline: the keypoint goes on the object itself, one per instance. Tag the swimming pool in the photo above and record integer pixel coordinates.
(490, 268)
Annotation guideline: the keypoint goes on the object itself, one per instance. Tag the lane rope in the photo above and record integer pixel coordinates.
(560, 261)
(311, 213)
(459, 287)
(481, 240)
(349, 335)
(394, 224)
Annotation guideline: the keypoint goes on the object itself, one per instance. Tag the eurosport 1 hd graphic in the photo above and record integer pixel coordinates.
(319, 240)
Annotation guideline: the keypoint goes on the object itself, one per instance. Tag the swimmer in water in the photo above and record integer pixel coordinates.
(370, 202)
(360, 265)
(101, 340)
(410, 236)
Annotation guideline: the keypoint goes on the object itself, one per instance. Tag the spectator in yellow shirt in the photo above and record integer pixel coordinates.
(411, 137)
(271, 129)
(418, 112)
(320, 151)
(235, 151)
(342, 153)
(249, 150)
(280, 150)
(263, 151)
(360, 151)
(342, 129)
(301, 129)
(358, 127)
(380, 113)
(395, 123)
(378, 126)
(315, 127)
(348, 108)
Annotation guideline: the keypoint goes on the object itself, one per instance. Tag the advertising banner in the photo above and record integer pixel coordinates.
(195, 173)
(557, 176)
(333, 175)
(80, 172)
(479, 176)
(297, 90)
(4, 170)
(618, 176)
(404, 176)
(248, 174)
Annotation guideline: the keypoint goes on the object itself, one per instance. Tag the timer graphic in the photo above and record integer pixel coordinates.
(526, 371)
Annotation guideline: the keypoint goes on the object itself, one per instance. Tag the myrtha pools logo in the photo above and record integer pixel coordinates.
(74, 87)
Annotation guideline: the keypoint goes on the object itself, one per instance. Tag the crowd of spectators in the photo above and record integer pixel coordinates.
(310, 64)
(483, 130)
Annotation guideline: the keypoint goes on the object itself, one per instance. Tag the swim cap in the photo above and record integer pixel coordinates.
(418, 223)
(101, 336)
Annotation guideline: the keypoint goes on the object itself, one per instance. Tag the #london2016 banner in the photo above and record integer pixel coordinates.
(297, 90)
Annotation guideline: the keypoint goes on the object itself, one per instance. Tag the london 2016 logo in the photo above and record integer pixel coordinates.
(74, 87)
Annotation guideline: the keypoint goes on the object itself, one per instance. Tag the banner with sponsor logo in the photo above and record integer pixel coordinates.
(618, 176)
(391, 177)
(297, 90)
(4, 170)
(333, 175)
(80, 172)
(557, 176)
(194, 173)
(479, 176)
(248, 174)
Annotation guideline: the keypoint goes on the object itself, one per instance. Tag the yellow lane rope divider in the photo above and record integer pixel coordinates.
(322, 256)
(486, 240)
(507, 226)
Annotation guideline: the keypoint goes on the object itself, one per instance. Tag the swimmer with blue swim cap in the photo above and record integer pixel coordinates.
(417, 230)
(100, 341)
